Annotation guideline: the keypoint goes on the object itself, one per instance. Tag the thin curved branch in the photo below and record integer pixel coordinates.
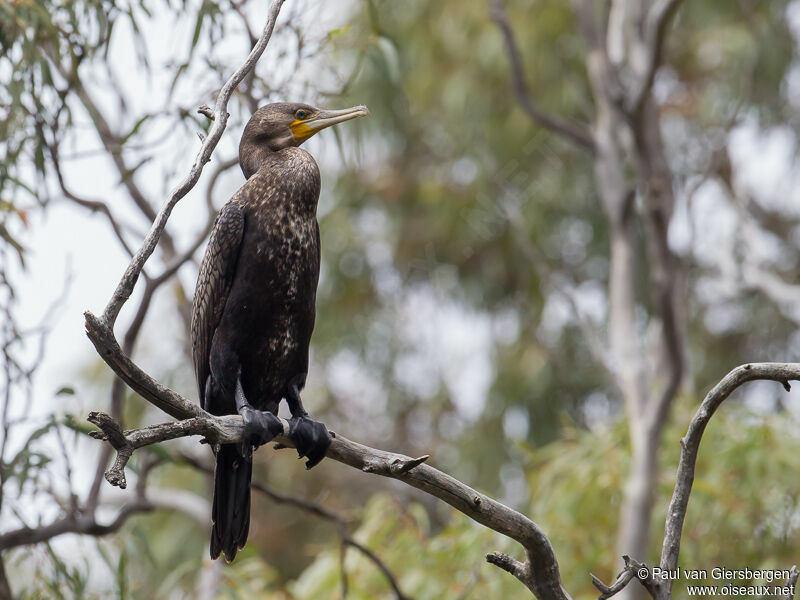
(25, 536)
(655, 31)
(92, 205)
(542, 573)
(575, 132)
(633, 570)
(690, 444)
(128, 281)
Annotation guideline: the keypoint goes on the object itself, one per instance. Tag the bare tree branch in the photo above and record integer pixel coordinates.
(128, 281)
(651, 48)
(70, 524)
(791, 582)
(690, 444)
(542, 574)
(576, 133)
(220, 430)
(633, 570)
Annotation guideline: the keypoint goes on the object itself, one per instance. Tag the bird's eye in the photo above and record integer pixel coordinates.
(301, 114)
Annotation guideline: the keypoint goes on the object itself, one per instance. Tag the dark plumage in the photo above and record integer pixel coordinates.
(254, 305)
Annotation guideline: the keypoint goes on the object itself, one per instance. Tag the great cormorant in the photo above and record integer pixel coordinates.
(253, 310)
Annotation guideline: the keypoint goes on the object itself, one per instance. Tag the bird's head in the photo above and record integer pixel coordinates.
(285, 124)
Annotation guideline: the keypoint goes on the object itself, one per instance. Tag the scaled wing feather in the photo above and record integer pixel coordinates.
(217, 272)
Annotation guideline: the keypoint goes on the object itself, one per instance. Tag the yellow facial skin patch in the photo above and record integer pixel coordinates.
(301, 131)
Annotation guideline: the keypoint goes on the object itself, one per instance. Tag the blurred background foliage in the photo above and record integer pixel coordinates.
(459, 242)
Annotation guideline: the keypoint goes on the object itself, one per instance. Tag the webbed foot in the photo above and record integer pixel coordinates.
(260, 426)
(310, 437)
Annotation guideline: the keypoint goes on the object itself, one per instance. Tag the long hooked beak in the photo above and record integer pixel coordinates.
(326, 118)
(302, 130)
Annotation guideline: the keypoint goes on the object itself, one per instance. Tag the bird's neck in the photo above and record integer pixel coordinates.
(291, 173)
(252, 157)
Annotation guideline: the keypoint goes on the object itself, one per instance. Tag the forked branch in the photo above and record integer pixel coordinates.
(541, 573)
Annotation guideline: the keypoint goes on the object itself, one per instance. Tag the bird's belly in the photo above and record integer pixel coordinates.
(277, 353)
(270, 314)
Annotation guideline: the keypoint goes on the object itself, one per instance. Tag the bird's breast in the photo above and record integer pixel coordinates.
(282, 258)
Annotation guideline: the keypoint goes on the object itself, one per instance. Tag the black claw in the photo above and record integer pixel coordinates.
(310, 437)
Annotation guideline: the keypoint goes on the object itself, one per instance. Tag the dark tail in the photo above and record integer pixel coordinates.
(230, 515)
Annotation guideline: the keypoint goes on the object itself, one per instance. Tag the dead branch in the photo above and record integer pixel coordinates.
(540, 573)
(25, 536)
(651, 46)
(791, 582)
(633, 570)
(690, 444)
(575, 132)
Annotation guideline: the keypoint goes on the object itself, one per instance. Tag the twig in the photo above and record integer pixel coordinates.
(576, 133)
(791, 582)
(92, 205)
(606, 591)
(633, 570)
(690, 444)
(219, 430)
(71, 524)
(206, 111)
(509, 564)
